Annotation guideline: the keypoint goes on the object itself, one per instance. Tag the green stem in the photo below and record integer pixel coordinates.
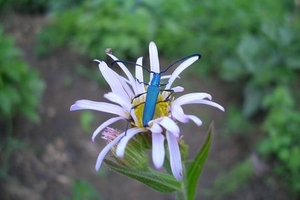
(182, 194)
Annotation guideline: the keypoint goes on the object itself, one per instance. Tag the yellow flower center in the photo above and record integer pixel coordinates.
(161, 109)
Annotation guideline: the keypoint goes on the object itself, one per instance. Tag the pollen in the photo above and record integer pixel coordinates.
(161, 109)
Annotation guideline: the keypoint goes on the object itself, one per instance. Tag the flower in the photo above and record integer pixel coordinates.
(128, 102)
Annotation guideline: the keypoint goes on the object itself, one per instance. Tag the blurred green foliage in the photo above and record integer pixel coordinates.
(83, 190)
(124, 26)
(20, 86)
(283, 142)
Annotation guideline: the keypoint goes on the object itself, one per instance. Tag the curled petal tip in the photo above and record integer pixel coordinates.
(73, 107)
(179, 176)
(221, 108)
(96, 60)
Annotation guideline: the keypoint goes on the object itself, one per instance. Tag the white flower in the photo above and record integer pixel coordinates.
(129, 105)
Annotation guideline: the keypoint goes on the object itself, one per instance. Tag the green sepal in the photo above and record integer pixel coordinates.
(135, 156)
(156, 180)
(195, 167)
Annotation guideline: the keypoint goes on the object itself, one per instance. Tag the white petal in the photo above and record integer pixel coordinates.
(125, 70)
(140, 87)
(195, 119)
(179, 69)
(178, 89)
(153, 56)
(121, 146)
(158, 150)
(118, 99)
(99, 106)
(133, 116)
(116, 83)
(126, 87)
(167, 77)
(155, 128)
(139, 70)
(175, 157)
(177, 113)
(132, 80)
(170, 125)
(165, 94)
(210, 103)
(191, 98)
(104, 125)
(106, 149)
(75, 107)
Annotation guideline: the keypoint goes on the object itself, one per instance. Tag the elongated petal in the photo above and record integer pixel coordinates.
(170, 125)
(116, 83)
(195, 119)
(99, 106)
(118, 99)
(106, 150)
(178, 89)
(139, 70)
(175, 157)
(179, 69)
(126, 87)
(191, 97)
(104, 125)
(210, 103)
(167, 123)
(140, 87)
(153, 56)
(125, 70)
(131, 79)
(167, 77)
(158, 150)
(166, 94)
(121, 146)
(155, 128)
(177, 113)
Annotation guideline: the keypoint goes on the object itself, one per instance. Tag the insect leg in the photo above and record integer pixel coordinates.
(128, 120)
(168, 97)
(138, 96)
(142, 82)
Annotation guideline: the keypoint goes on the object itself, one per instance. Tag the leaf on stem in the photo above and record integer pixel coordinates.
(158, 181)
(195, 168)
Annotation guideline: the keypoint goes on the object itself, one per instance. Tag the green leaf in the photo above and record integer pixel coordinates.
(196, 166)
(158, 181)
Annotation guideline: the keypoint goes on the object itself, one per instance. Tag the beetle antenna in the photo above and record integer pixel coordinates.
(130, 63)
(180, 60)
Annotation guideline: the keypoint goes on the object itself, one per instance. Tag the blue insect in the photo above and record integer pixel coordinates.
(153, 89)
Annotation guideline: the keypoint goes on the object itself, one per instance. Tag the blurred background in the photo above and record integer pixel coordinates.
(250, 64)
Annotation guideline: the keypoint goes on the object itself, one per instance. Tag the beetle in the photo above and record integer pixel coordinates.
(153, 89)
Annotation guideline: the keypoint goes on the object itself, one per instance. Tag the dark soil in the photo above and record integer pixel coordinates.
(59, 151)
